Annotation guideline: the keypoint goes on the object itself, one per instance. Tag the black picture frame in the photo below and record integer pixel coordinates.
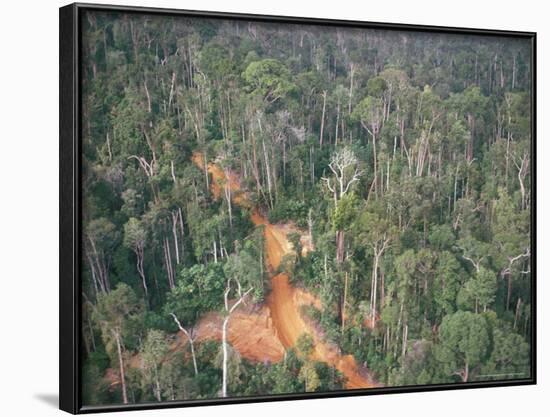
(70, 229)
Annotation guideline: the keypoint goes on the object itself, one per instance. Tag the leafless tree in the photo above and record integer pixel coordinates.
(379, 246)
(229, 309)
(522, 165)
(324, 95)
(345, 170)
(344, 167)
(191, 338)
(507, 272)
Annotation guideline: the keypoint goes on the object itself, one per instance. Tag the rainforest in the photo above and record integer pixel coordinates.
(275, 208)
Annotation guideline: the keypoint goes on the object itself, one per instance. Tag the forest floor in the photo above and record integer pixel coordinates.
(263, 335)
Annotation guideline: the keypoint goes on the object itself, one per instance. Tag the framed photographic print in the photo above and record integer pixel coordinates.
(260, 208)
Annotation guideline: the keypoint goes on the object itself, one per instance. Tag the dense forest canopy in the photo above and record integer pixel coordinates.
(396, 164)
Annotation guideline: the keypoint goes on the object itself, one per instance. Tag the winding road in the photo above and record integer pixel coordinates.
(284, 301)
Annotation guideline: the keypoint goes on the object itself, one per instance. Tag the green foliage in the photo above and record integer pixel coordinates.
(247, 265)
(198, 289)
(309, 376)
(427, 250)
(269, 78)
(117, 312)
(286, 208)
(510, 357)
(305, 345)
(464, 344)
(479, 291)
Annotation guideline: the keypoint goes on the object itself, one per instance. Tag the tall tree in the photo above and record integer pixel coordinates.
(464, 343)
(228, 310)
(115, 313)
(345, 172)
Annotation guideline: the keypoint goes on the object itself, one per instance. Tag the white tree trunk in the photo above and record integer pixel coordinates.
(228, 312)
(190, 339)
(225, 354)
(324, 94)
(121, 367)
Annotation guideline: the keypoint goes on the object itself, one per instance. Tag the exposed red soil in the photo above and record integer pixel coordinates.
(263, 333)
(280, 323)
(251, 333)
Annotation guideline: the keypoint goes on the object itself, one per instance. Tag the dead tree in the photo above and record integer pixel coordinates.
(149, 168)
(522, 165)
(228, 311)
(116, 335)
(324, 95)
(190, 337)
(379, 246)
(345, 170)
(507, 272)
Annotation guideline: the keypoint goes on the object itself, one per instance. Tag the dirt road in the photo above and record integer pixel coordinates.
(284, 301)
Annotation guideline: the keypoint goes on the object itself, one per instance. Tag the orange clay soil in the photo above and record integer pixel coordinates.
(277, 326)
(251, 333)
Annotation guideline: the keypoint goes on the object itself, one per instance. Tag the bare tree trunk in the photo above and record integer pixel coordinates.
(324, 94)
(225, 356)
(228, 312)
(188, 333)
(168, 263)
(175, 234)
(514, 73)
(215, 251)
(466, 373)
(405, 339)
(345, 300)
(516, 316)
(340, 246)
(351, 74)
(157, 385)
(121, 367)
(227, 194)
(267, 173)
(508, 291)
(337, 123)
(375, 162)
(310, 224)
(109, 147)
(207, 179)
(374, 290)
(141, 271)
(100, 267)
(94, 278)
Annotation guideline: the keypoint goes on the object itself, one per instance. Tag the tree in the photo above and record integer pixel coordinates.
(198, 289)
(228, 310)
(135, 237)
(480, 290)
(269, 78)
(114, 314)
(309, 376)
(346, 172)
(448, 282)
(463, 344)
(247, 264)
(305, 345)
(509, 358)
(296, 119)
(153, 353)
(190, 334)
(100, 239)
(377, 233)
(370, 114)
(512, 244)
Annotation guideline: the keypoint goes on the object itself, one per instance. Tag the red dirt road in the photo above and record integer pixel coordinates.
(265, 335)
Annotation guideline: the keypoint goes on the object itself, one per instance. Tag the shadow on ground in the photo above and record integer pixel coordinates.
(50, 399)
